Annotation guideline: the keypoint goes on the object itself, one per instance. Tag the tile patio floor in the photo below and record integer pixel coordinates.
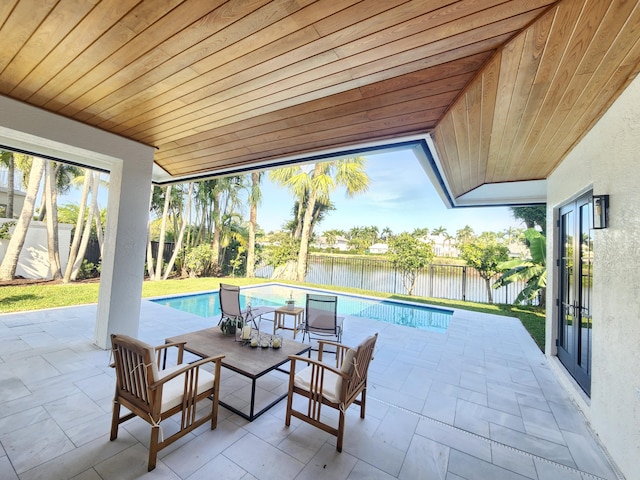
(477, 402)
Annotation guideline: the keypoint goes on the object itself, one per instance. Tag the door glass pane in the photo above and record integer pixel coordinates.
(586, 281)
(567, 277)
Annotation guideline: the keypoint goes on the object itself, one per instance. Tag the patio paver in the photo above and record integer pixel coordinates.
(479, 401)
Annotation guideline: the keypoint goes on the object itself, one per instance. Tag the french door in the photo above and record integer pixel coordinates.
(575, 335)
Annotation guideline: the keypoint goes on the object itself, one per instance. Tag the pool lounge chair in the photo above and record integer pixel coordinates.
(321, 318)
(230, 306)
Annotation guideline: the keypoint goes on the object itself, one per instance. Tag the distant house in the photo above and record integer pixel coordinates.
(442, 246)
(18, 193)
(340, 243)
(379, 248)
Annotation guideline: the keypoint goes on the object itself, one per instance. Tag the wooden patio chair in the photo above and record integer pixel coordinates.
(334, 386)
(155, 394)
(321, 317)
(229, 296)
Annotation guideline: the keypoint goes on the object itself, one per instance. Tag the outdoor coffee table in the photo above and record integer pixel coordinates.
(252, 363)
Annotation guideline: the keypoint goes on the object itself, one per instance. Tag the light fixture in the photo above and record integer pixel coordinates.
(600, 204)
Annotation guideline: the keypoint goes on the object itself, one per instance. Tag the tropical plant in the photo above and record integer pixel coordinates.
(464, 235)
(485, 253)
(533, 270)
(200, 260)
(361, 238)
(82, 232)
(408, 255)
(311, 186)
(5, 233)
(532, 216)
(255, 197)
(420, 232)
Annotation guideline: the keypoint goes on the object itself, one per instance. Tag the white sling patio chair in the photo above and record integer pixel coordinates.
(230, 306)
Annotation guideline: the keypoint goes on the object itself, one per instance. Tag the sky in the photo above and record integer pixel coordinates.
(400, 197)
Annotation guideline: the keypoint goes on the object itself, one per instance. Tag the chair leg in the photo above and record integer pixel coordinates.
(153, 447)
(363, 401)
(214, 413)
(115, 420)
(287, 416)
(340, 431)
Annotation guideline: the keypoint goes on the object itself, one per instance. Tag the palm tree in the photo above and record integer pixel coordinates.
(10, 261)
(386, 234)
(533, 270)
(318, 184)
(255, 196)
(439, 231)
(75, 242)
(465, 235)
(81, 236)
(178, 242)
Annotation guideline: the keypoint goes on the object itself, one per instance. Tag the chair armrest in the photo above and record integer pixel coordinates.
(187, 367)
(310, 361)
(341, 349)
(162, 349)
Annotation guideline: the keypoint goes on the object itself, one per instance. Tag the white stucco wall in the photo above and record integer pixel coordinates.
(34, 257)
(607, 160)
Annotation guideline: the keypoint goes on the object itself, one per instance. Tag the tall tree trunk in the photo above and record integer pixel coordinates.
(98, 219)
(178, 243)
(487, 282)
(10, 185)
(163, 232)
(77, 234)
(150, 269)
(52, 220)
(215, 242)
(253, 220)
(86, 232)
(301, 271)
(43, 207)
(10, 261)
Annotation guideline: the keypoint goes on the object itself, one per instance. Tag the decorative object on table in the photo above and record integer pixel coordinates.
(265, 340)
(243, 331)
(229, 325)
(276, 341)
(290, 302)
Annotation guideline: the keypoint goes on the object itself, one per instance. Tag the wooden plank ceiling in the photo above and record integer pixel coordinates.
(504, 86)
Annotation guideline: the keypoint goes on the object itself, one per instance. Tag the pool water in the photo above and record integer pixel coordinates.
(398, 313)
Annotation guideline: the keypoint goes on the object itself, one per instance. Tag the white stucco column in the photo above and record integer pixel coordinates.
(123, 258)
(30, 129)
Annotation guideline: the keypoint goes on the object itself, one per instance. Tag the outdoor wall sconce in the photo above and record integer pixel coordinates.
(600, 211)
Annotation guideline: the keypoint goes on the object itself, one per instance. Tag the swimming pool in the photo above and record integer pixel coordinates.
(389, 311)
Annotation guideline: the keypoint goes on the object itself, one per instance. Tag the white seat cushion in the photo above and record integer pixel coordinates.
(173, 390)
(330, 387)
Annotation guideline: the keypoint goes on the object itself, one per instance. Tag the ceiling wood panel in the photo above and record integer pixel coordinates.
(505, 87)
(556, 78)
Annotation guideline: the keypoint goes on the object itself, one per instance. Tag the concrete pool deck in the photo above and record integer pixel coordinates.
(479, 401)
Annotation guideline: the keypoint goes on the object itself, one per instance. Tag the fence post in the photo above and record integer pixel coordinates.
(431, 273)
(395, 280)
(362, 273)
(464, 283)
(331, 276)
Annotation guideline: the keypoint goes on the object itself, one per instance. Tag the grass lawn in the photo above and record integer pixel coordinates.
(50, 295)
